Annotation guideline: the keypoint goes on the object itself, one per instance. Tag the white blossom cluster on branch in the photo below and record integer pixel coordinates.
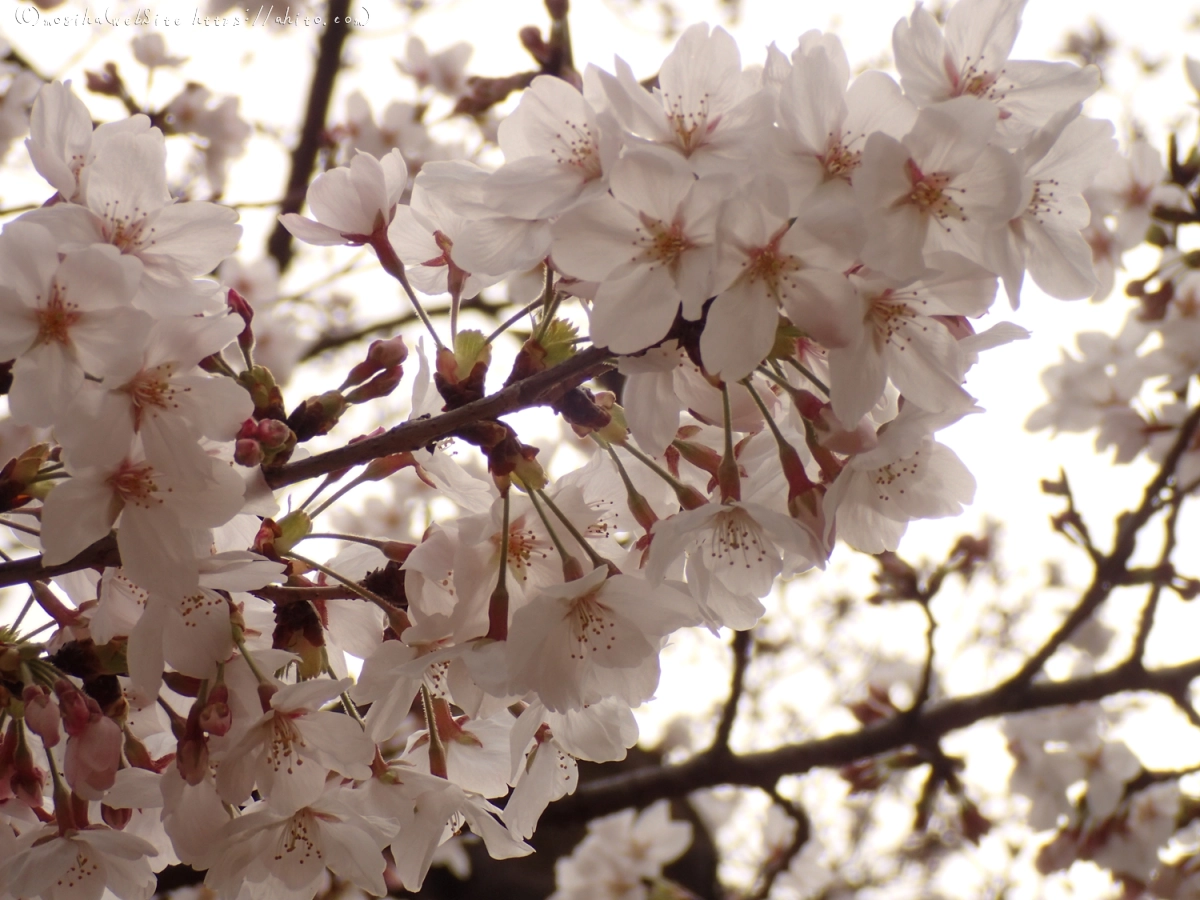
(783, 264)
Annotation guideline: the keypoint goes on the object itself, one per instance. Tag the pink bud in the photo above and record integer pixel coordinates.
(238, 304)
(272, 433)
(379, 386)
(248, 429)
(386, 354)
(247, 452)
(192, 759)
(115, 817)
(216, 717)
(833, 436)
(42, 714)
(74, 708)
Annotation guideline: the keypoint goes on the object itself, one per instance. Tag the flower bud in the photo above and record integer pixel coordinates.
(272, 433)
(75, 707)
(237, 303)
(42, 714)
(317, 415)
(247, 453)
(292, 527)
(379, 386)
(115, 818)
(216, 717)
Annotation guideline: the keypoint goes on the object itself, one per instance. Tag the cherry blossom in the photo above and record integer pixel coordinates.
(352, 203)
(63, 320)
(652, 238)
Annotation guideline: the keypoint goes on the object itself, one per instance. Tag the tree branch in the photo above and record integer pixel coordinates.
(763, 769)
(1111, 568)
(742, 647)
(413, 435)
(304, 157)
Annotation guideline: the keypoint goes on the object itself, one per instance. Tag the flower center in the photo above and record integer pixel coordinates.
(134, 483)
(125, 231)
(691, 127)
(930, 194)
(56, 318)
(593, 626)
(839, 161)
(285, 736)
(662, 243)
(580, 150)
(151, 389)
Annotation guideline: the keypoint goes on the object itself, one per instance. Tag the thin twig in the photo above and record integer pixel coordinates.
(742, 647)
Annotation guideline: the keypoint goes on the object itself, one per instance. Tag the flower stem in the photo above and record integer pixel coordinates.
(571, 567)
(437, 750)
(688, 496)
(638, 504)
(498, 602)
(596, 558)
(239, 638)
(397, 618)
(728, 476)
(514, 318)
(393, 266)
(803, 370)
(550, 300)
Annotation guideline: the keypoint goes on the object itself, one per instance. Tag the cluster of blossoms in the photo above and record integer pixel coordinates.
(784, 263)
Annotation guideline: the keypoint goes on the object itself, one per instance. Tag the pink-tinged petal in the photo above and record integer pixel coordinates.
(311, 232)
(824, 304)
(411, 236)
(634, 312)
(631, 103)
(290, 783)
(739, 331)
(338, 742)
(1004, 254)
(195, 236)
(336, 202)
(500, 246)
(1060, 261)
(652, 410)
(370, 183)
(857, 379)
(102, 338)
(45, 381)
(198, 637)
(18, 324)
(949, 138)
(922, 58)
(72, 226)
(655, 183)
(99, 429)
(395, 176)
(60, 129)
(1038, 90)
(534, 187)
(595, 240)
(145, 648)
(812, 102)
(307, 694)
(156, 551)
(128, 179)
(28, 261)
(98, 277)
(926, 365)
(984, 30)
(895, 238)
(352, 854)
